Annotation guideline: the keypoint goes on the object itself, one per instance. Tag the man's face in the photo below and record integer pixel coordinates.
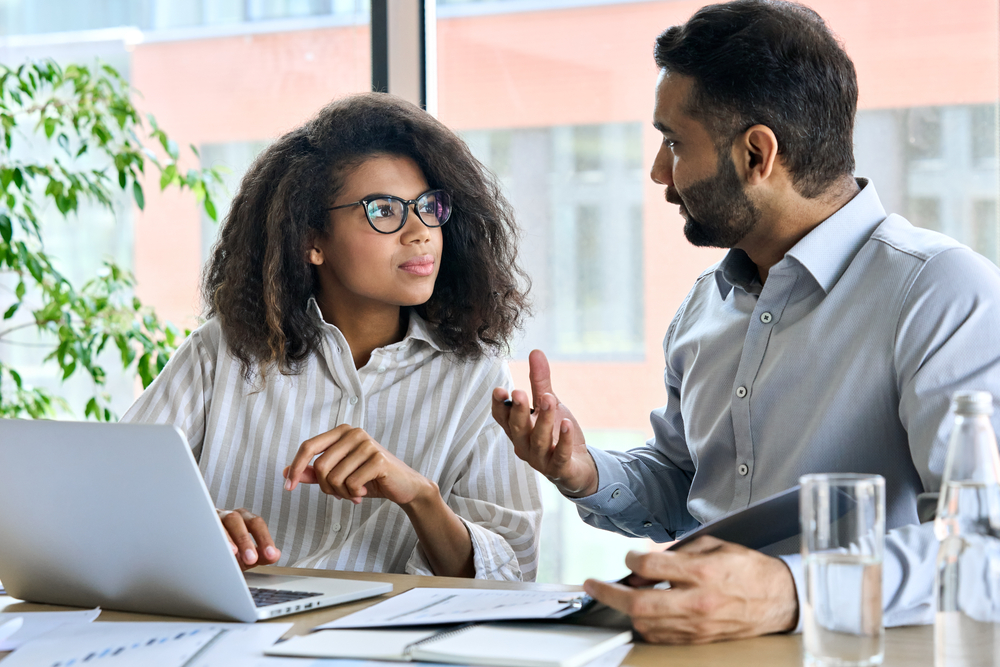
(717, 211)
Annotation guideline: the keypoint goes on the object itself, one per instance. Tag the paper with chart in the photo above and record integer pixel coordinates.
(151, 644)
(432, 606)
(35, 623)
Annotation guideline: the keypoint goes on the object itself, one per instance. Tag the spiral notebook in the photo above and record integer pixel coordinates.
(491, 644)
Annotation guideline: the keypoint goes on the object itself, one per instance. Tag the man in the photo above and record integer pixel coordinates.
(830, 338)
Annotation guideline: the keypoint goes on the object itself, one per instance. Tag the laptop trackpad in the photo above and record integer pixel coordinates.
(257, 580)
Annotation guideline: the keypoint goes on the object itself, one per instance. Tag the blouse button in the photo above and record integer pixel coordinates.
(353, 400)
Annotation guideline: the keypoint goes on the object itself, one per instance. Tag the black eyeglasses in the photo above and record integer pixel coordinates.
(387, 214)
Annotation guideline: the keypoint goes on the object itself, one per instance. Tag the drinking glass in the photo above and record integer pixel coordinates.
(843, 537)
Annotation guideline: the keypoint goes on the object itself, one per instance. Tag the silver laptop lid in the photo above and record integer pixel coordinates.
(116, 516)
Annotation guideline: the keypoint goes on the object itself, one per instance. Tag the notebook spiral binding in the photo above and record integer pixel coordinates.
(410, 648)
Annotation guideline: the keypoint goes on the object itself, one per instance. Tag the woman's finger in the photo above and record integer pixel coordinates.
(267, 552)
(237, 529)
(352, 460)
(309, 449)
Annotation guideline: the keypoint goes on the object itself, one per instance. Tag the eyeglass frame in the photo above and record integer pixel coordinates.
(363, 202)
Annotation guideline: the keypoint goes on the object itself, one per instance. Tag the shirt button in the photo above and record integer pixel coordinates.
(765, 317)
(743, 469)
(741, 392)
(381, 369)
(648, 524)
(353, 400)
(335, 527)
(616, 493)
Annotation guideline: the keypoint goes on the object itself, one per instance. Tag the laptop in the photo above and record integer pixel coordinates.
(118, 516)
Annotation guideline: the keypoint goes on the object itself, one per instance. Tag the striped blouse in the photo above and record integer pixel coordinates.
(430, 409)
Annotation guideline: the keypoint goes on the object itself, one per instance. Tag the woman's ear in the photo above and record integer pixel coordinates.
(314, 255)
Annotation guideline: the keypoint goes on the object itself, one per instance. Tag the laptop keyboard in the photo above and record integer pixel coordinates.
(263, 597)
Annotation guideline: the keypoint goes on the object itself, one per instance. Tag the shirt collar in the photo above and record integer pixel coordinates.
(825, 252)
(417, 329)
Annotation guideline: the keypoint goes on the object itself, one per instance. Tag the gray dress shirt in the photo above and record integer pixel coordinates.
(844, 361)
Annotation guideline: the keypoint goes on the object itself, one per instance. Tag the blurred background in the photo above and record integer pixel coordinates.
(556, 97)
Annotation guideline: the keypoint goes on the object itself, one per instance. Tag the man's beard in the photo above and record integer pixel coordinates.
(718, 212)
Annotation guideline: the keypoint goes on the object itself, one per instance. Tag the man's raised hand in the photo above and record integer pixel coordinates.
(550, 440)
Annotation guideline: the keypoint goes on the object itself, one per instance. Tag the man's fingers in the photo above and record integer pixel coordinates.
(501, 412)
(539, 375)
(562, 453)
(541, 436)
(672, 566)
(309, 449)
(703, 545)
(637, 603)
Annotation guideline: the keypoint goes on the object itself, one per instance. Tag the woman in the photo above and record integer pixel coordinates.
(362, 287)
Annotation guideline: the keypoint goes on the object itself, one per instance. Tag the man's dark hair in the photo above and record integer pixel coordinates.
(771, 63)
(258, 281)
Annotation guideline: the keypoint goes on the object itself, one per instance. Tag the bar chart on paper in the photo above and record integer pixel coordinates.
(132, 643)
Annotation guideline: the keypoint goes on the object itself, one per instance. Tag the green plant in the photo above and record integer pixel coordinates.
(71, 136)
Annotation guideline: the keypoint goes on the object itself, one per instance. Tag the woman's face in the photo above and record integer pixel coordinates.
(359, 267)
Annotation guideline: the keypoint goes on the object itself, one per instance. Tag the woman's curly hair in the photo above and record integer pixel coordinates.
(258, 281)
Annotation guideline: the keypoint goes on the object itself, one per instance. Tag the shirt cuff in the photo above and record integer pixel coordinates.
(794, 563)
(492, 556)
(613, 495)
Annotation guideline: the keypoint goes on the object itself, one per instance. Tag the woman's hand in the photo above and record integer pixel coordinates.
(352, 466)
(249, 538)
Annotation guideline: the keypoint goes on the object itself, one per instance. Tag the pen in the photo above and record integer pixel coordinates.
(509, 403)
(9, 628)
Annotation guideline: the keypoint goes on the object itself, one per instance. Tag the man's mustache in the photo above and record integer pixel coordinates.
(672, 196)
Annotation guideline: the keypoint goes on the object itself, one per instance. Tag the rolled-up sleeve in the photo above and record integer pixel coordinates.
(497, 497)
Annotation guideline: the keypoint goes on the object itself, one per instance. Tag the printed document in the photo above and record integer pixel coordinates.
(434, 606)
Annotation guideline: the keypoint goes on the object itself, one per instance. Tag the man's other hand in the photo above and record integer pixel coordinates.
(550, 440)
(719, 590)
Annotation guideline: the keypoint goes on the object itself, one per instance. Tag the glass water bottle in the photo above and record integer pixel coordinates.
(967, 586)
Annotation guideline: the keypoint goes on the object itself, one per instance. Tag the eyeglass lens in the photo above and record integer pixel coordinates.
(387, 213)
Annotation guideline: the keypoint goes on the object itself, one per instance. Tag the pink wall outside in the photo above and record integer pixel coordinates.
(574, 66)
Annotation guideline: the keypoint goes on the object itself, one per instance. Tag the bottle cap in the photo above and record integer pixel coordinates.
(972, 403)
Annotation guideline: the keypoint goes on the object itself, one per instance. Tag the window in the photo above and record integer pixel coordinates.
(236, 158)
(937, 166)
(28, 17)
(577, 191)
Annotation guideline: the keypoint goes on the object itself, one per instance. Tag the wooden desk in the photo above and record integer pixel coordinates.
(910, 647)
